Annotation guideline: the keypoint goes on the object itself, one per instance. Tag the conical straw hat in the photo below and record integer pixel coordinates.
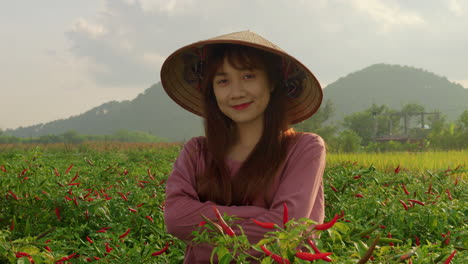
(300, 106)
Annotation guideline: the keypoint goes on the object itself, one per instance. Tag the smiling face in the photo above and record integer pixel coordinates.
(242, 94)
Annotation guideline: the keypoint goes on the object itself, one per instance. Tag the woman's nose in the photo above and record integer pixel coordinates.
(237, 89)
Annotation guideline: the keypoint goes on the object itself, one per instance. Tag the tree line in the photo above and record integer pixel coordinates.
(371, 130)
(359, 131)
(74, 137)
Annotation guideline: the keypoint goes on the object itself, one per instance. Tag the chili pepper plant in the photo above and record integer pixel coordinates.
(78, 204)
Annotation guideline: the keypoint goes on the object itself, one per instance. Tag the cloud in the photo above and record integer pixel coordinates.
(456, 8)
(388, 14)
(127, 42)
(84, 27)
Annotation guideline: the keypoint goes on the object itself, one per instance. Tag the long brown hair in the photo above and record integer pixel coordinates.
(258, 170)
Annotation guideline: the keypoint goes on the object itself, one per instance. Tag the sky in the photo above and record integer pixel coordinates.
(60, 58)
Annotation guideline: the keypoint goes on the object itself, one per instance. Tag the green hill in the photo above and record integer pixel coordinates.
(395, 86)
(154, 112)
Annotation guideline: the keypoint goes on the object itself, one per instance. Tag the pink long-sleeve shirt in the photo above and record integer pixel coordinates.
(298, 183)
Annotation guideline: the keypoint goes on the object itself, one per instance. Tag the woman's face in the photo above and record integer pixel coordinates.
(241, 94)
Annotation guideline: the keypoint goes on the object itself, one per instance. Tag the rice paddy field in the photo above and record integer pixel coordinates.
(104, 203)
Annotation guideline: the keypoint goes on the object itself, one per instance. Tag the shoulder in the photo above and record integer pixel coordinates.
(194, 148)
(195, 143)
(308, 140)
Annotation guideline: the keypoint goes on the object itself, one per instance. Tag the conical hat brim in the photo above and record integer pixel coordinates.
(184, 94)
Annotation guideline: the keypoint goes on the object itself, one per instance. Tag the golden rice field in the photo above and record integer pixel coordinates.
(384, 161)
(413, 161)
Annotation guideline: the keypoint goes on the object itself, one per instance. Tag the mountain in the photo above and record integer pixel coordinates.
(395, 86)
(154, 112)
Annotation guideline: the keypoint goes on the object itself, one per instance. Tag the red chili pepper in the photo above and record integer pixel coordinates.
(12, 225)
(164, 249)
(202, 223)
(404, 205)
(404, 189)
(68, 198)
(150, 218)
(317, 251)
(56, 172)
(89, 162)
(67, 257)
(333, 188)
(13, 195)
(149, 174)
(24, 255)
(108, 248)
(447, 238)
(123, 196)
(397, 169)
(357, 176)
(327, 225)
(88, 194)
(279, 259)
(48, 248)
(223, 224)
(57, 213)
(429, 189)
(449, 194)
(359, 195)
(74, 178)
(310, 256)
(275, 257)
(125, 234)
(140, 205)
(389, 235)
(74, 183)
(89, 239)
(264, 224)
(23, 172)
(87, 214)
(3, 168)
(69, 168)
(416, 201)
(132, 210)
(285, 215)
(447, 261)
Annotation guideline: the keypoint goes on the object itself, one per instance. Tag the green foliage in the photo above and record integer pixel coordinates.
(34, 183)
(72, 137)
(373, 222)
(318, 122)
(349, 141)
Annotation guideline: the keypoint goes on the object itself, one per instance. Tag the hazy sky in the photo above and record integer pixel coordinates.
(62, 57)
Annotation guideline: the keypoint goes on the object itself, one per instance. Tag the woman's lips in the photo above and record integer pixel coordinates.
(241, 106)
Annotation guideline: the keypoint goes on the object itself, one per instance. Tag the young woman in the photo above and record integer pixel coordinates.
(250, 162)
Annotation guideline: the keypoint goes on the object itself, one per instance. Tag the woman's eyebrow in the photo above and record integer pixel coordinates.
(220, 74)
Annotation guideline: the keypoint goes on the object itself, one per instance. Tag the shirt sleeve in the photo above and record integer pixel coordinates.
(300, 187)
(183, 209)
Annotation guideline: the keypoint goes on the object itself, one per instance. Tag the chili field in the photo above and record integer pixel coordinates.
(104, 203)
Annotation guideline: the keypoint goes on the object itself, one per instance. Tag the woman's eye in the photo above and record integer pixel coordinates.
(221, 81)
(249, 76)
